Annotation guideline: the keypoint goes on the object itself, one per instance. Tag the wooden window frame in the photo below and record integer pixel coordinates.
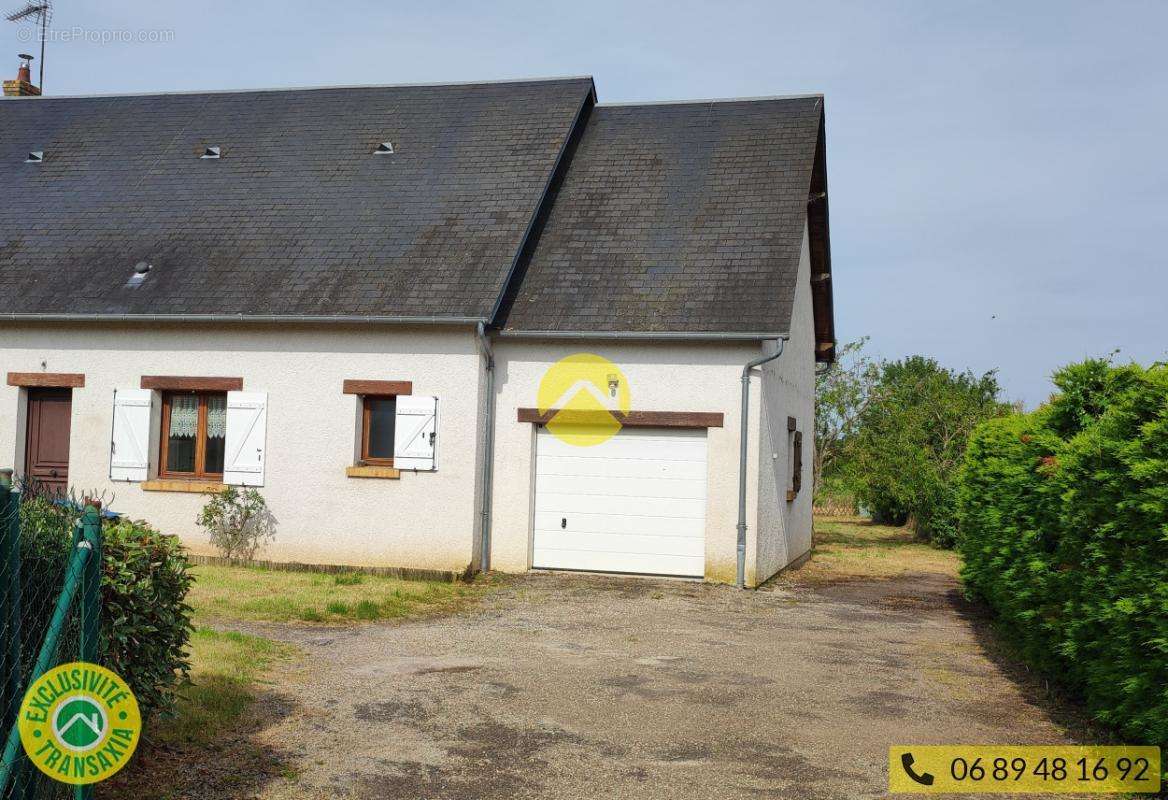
(200, 474)
(796, 443)
(366, 460)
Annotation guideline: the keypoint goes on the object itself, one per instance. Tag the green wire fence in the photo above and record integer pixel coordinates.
(50, 614)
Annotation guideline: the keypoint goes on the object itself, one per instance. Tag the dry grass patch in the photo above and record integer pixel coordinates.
(226, 668)
(205, 747)
(266, 595)
(854, 548)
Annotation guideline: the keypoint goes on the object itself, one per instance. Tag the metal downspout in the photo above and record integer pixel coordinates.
(743, 431)
(488, 447)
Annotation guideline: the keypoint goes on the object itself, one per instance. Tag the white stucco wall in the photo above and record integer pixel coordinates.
(424, 520)
(662, 377)
(788, 389)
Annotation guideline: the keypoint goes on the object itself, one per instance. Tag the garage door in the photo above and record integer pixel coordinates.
(636, 503)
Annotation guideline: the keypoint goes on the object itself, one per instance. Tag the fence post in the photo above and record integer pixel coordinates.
(91, 585)
(6, 665)
(90, 531)
(12, 588)
(11, 621)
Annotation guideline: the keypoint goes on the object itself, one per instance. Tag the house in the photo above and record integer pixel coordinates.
(441, 326)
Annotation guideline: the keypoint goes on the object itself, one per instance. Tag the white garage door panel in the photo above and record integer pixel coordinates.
(557, 539)
(576, 466)
(657, 446)
(637, 506)
(623, 562)
(636, 503)
(623, 523)
(621, 487)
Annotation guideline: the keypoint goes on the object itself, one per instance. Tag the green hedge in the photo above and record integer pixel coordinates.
(1064, 532)
(145, 622)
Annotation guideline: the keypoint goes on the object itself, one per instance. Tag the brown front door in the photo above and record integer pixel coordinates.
(46, 453)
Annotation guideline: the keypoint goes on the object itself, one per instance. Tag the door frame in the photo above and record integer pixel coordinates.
(26, 381)
(25, 427)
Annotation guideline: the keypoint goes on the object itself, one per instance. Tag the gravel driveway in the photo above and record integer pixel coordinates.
(577, 687)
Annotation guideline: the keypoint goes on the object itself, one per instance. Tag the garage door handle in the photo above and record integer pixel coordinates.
(564, 522)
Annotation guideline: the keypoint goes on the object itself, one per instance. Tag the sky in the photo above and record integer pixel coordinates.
(998, 172)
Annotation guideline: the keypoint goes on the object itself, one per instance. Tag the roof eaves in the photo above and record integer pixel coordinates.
(715, 100)
(270, 89)
(348, 319)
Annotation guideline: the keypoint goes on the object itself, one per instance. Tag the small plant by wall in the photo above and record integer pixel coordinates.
(238, 522)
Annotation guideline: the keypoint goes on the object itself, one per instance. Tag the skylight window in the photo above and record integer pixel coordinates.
(384, 148)
(35, 157)
(211, 152)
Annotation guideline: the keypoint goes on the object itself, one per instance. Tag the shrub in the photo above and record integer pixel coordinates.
(1064, 520)
(145, 622)
(145, 619)
(908, 446)
(238, 522)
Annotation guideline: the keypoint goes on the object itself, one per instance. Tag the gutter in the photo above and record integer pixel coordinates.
(488, 447)
(743, 436)
(244, 318)
(713, 336)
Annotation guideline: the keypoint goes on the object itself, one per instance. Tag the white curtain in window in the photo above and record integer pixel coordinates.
(184, 416)
(216, 417)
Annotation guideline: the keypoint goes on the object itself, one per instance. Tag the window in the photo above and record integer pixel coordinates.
(194, 430)
(795, 445)
(377, 429)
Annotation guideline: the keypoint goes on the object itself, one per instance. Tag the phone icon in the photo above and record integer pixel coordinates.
(906, 761)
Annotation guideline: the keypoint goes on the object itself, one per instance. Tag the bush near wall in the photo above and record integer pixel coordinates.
(1064, 532)
(145, 622)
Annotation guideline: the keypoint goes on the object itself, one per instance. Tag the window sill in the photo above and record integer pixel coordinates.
(181, 485)
(373, 472)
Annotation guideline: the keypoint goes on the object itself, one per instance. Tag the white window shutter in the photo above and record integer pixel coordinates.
(130, 442)
(247, 423)
(415, 432)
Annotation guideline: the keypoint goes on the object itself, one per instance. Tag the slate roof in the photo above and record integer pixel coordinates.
(678, 217)
(297, 217)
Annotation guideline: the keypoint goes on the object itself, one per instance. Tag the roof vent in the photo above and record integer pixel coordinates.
(211, 152)
(384, 148)
(141, 270)
(35, 157)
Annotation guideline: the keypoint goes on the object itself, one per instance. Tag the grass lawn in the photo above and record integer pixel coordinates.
(224, 594)
(847, 548)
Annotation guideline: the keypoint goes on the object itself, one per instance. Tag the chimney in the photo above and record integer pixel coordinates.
(22, 86)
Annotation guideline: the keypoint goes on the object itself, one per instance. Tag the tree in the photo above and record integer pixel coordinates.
(842, 392)
(910, 440)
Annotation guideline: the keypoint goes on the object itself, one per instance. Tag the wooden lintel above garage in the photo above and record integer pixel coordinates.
(632, 419)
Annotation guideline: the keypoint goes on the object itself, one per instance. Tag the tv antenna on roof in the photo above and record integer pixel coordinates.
(40, 14)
